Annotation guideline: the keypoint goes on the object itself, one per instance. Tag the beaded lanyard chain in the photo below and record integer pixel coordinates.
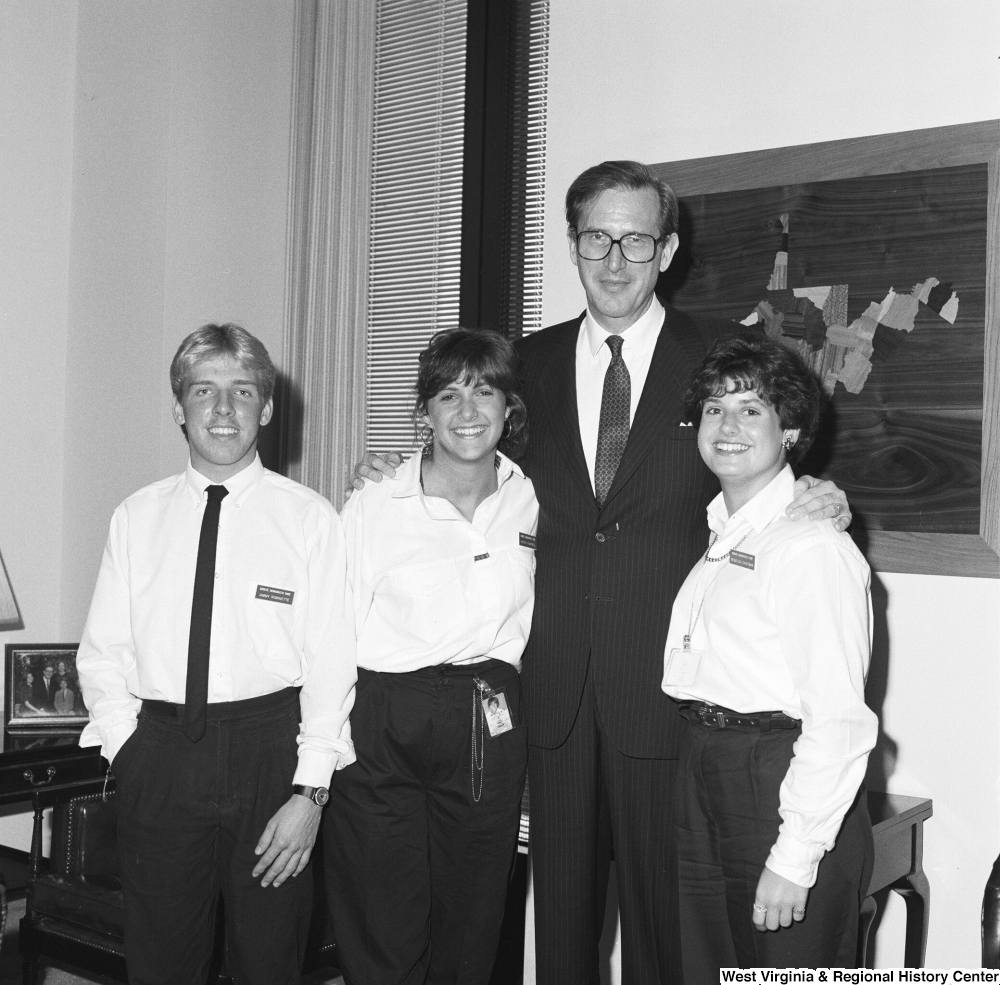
(477, 761)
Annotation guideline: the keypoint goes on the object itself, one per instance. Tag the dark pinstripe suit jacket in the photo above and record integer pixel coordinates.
(606, 579)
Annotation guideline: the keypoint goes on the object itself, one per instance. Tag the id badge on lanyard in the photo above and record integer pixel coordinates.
(495, 711)
(681, 664)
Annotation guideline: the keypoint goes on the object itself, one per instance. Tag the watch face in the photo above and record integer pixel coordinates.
(321, 796)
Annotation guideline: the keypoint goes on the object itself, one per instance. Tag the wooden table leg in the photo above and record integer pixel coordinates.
(916, 891)
(35, 857)
(868, 910)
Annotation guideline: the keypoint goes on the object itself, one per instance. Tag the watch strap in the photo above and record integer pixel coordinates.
(318, 795)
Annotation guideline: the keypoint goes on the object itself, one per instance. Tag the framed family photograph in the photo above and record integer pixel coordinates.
(41, 687)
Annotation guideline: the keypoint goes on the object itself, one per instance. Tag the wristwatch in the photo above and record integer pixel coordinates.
(318, 795)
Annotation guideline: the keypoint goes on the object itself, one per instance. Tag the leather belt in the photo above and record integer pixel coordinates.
(715, 716)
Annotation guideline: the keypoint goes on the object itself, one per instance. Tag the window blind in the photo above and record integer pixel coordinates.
(416, 211)
(417, 183)
(524, 205)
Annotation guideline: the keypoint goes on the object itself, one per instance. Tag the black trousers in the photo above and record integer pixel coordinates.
(418, 847)
(726, 814)
(189, 817)
(588, 799)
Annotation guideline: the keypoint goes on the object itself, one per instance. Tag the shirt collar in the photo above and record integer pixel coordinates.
(408, 483)
(641, 335)
(239, 486)
(761, 510)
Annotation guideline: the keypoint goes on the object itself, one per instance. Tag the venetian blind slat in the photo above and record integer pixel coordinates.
(416, 212)
(522, 281)
(414, 254)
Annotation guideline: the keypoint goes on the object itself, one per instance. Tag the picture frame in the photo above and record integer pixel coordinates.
(42, 690)
(913, 550)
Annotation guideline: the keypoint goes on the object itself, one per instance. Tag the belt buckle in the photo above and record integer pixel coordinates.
(710, 718)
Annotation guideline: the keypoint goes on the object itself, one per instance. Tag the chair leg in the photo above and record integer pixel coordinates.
(868, 910)
(29, 970)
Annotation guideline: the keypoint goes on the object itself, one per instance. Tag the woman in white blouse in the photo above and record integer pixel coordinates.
(421, 831)
(767, 652)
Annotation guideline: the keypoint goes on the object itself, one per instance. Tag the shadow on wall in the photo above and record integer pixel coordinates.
(882, 761)
(280, 443)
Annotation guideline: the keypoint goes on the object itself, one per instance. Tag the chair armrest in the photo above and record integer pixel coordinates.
(85, 840)
(59, 797)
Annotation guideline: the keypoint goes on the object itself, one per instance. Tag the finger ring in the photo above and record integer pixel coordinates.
(798, 912)
(759, 908)
(838, 510)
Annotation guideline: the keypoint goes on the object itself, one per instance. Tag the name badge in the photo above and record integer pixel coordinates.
(741, 560)
(496, 713)
(526, 540)
(680, 667)
(269, 594)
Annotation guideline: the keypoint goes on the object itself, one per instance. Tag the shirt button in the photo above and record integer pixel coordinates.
(600, 538)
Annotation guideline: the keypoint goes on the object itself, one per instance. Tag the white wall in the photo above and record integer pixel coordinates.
(144, 150)
(182, 122)
(661, 80)
(37, 66)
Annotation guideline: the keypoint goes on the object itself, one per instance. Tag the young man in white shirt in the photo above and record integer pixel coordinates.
(204, 665)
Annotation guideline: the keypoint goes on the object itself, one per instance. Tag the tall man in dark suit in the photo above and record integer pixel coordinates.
(623, 492)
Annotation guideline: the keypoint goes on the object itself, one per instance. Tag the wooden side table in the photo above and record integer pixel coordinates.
(898, 827)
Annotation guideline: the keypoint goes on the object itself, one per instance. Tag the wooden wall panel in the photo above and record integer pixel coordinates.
(917, 448)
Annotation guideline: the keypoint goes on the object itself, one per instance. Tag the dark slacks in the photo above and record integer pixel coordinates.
(726, 814)
(587, 801)
(416, 866)
(189, 817)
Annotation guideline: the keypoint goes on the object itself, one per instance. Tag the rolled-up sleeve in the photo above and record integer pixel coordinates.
(327, 694)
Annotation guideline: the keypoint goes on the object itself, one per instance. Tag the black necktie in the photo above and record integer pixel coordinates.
(200, 640)
(612, 433)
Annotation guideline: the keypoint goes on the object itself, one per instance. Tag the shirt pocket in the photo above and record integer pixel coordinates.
(273, 617)
(516, 578)
(423, 580)
(524, 557)
(427, 601)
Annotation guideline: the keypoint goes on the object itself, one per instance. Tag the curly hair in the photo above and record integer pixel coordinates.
(472, 355)
(776, 373)
(630, 176)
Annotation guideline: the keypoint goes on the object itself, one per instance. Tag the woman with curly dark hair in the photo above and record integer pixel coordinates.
(767, 652)
(421, 831)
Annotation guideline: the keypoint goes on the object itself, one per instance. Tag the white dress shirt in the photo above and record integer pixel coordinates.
(281, 613)
(432, 588)
(593, 357)
(794, 635)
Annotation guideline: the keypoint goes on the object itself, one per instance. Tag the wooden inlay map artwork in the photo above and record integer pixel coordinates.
(880, 283)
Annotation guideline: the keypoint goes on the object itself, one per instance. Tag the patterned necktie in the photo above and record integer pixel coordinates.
(612, 433)
(200, 640)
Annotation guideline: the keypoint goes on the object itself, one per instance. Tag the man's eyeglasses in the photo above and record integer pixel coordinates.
(592, 244)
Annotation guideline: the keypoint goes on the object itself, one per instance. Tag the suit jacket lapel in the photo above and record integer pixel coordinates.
(661, 405)
(557, 397)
